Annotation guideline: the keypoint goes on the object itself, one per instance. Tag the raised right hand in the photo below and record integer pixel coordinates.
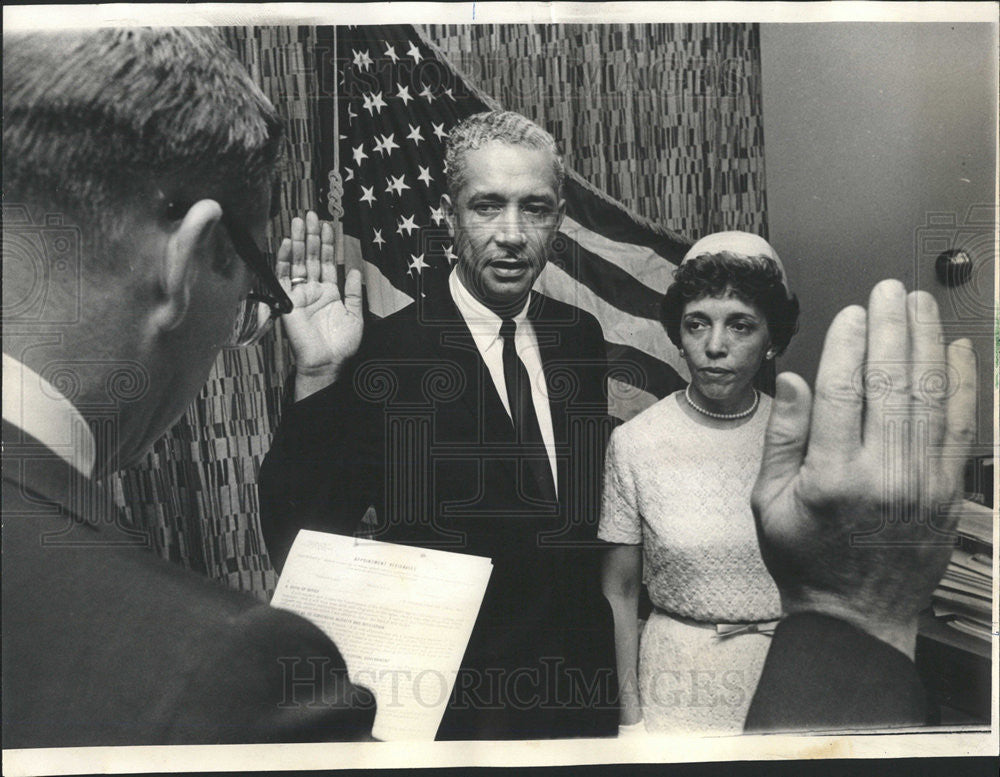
(859, 490)
(323, 329)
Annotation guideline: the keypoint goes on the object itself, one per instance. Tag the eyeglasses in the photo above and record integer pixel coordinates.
(267, 300)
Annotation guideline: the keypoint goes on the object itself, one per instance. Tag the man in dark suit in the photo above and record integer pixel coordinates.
(137, 168)
(475, 422)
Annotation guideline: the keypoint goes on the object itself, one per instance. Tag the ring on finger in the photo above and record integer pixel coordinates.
(297, 281)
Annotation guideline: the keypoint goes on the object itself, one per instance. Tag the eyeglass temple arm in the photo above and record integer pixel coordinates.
(253, 256)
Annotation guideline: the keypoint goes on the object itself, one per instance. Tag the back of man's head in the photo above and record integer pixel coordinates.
(96, 121)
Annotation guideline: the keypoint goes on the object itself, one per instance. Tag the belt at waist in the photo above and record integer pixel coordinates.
(723, 630)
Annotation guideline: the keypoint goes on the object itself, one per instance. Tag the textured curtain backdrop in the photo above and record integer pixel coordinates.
(665, 118)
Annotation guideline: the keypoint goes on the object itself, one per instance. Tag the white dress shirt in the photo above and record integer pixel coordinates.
(484, 325)
(38, 408)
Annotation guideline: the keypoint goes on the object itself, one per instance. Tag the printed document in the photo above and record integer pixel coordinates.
(401, 617)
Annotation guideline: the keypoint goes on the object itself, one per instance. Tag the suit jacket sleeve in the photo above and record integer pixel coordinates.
(323, 468)
(821, 673)
(282, 680)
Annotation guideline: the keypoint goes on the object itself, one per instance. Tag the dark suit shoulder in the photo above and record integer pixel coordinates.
(281, 681)
(419, 322)
(407, 313)
(577, 324)
(411, 330)
(107, 645)
(400, 320)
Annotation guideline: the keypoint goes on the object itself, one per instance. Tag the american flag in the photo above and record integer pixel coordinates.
(397, 97)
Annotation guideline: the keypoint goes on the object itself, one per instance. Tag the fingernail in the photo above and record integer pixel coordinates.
(892, 288)
(855, 314)
(923, 303)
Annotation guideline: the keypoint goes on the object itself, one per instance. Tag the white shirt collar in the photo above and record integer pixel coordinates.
(37, 407)
(483, 323)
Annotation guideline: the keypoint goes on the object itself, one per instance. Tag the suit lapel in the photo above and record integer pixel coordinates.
(453, 341)
(551, 349)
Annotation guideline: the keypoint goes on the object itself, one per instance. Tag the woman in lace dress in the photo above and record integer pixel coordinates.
(677, 500)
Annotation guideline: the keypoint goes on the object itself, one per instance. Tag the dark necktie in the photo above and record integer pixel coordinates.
(522, 411)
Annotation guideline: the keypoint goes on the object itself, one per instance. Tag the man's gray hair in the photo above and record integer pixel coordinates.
(496, 126)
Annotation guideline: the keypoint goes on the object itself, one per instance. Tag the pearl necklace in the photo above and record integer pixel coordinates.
(723, 416)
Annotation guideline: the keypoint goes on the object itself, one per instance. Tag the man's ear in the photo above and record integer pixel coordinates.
(449, 214)
(561, 213)
(186, 248)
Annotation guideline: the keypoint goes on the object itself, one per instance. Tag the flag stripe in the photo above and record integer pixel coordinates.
(644, 334)
(590, 205)
(641, 262)
(384, 299)
(609, 281)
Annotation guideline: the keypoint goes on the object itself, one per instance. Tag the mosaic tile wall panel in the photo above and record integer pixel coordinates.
(665, 118)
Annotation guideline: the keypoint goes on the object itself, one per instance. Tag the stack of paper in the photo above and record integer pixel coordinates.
(964, 595)
(976, 523)
(401, 617)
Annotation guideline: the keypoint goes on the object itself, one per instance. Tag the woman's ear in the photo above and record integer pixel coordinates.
(186, 249)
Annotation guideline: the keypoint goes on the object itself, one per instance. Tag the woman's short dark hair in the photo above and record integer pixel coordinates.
(757, 280)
